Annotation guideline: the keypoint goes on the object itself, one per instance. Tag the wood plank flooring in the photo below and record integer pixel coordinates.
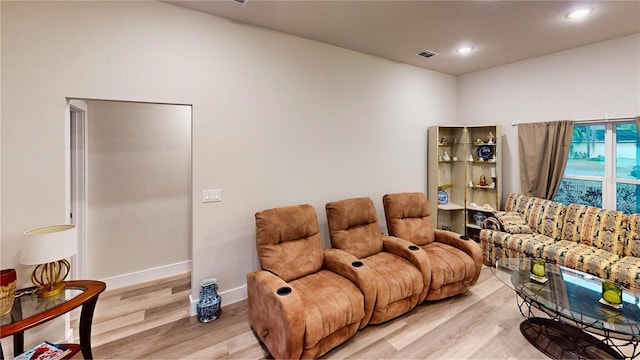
(151, 321)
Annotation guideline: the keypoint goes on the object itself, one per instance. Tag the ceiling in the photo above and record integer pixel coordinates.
(500, 31)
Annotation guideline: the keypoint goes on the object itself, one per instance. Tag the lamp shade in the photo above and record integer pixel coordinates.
(48, 244)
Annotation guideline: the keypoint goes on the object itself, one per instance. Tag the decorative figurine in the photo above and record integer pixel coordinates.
(491, 137)
(493, 159)
(483, 181)
(470, 157)
(471, 185)
(455, 141)
(442, 140)
(455, 158)
(445, 156)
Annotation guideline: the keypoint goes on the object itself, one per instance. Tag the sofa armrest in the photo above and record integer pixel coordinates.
(350, 267)
(491, 223)
(412, 253)
(470, 247)
(276, 313)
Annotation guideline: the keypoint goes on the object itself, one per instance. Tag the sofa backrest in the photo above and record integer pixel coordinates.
(353, 226)
(409, 217)
(632, 243)
(543, 216)
(604, 229)
(288, 241)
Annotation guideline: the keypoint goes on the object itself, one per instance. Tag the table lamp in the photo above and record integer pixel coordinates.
(48, 248)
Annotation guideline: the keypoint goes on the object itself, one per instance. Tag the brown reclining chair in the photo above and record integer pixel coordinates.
(395, 273)
(455, 261)
(297, 307)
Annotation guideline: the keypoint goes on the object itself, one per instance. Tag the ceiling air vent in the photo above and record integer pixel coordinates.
(427, 54)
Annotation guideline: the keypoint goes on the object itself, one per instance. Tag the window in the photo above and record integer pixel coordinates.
(603, 168)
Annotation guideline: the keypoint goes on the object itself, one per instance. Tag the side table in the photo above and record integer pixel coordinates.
(30, 311)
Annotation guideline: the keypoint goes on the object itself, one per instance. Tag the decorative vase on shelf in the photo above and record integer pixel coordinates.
(208, 306)
(8, 281)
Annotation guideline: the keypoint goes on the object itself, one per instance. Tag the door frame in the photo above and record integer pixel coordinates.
(77, 115)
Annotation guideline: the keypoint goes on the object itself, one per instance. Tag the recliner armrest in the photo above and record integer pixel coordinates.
(350, 267)
(412, 253)
(276, 314)
(471, 248)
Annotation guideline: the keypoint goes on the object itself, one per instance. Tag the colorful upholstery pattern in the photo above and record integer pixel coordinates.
(556, 252)
(632, 243)
(543, 216)
(517, 202)
(529, 244)
(590, 260)
(603, 229)
(512, 222)
(626, 271)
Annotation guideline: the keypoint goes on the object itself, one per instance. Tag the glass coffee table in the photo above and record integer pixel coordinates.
(564, 317)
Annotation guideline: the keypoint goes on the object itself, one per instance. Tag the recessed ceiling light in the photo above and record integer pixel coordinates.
(580, 13)
(465, 50)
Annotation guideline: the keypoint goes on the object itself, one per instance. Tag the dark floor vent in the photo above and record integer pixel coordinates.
(427, 54)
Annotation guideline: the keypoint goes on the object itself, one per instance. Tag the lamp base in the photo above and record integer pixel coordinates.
(52, 290)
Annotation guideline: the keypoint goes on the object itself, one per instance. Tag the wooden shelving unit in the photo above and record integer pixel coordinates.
(457, 158)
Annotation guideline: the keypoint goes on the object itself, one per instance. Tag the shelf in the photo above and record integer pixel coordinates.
(475, 143)
(474, 226)
(451, 161)
(478, 187)
(447, 143)
(445, 186)
(450, 207)
(481, 209)
(482, 162)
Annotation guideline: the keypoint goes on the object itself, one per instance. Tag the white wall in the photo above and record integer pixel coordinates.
(139, 187)
(583, 83)
(277, 120)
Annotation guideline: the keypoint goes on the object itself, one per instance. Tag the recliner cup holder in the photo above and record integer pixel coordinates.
(283, 291)
(357, 264)
(465, 238)
(414, 248)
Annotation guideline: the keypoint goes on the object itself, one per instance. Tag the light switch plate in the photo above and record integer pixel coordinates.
(212, 195)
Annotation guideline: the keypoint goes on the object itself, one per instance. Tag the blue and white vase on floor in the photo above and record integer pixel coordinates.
(208, 306)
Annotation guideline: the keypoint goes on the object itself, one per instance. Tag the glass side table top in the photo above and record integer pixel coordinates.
(27, 304)
(572, 294)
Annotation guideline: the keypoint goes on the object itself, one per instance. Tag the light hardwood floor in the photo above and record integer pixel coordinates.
(151, 321)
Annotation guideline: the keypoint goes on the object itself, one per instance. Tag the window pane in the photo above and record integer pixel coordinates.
(584, 192)
(586, 155)
(627, 151)
(628, 198)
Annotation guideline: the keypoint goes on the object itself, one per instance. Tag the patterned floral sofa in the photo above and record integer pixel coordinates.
(602, 242)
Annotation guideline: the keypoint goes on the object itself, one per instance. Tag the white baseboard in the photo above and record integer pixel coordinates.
(138, 277)
(228, 297)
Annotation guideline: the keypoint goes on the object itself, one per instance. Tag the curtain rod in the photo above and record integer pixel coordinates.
(590, 120)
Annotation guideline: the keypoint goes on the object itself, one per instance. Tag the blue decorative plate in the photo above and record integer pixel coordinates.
(443, 197)
(484, 152)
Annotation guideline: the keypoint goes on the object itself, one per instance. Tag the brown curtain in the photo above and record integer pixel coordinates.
(544, 150)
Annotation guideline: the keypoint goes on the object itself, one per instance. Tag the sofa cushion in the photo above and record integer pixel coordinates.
(556, 252)
(603, 229)
(632, 242)
(626, 271)
(517, 202)
(590, 260)
(512, 222)
(395, 297)
(331, 303)
(529, 244)
(545, 217)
